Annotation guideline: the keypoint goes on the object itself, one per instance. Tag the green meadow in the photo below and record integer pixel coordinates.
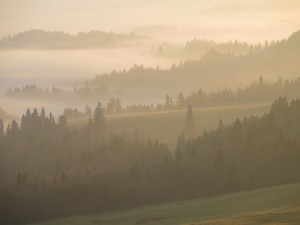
(276, 205)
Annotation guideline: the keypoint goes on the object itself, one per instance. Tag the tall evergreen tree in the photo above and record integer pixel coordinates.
(189, 122)
(99, 119)
(13, 130)
(180, 100)
(63, 122)
(28, 114)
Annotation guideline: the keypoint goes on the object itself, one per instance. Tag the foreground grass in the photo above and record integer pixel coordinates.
(277, 205)
(166, 126)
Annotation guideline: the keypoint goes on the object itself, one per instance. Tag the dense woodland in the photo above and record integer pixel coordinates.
(48, 170)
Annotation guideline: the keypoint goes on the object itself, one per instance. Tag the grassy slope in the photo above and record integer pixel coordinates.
(166, 126)
(265, 206)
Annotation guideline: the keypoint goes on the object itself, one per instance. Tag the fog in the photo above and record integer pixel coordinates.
(71, 65)
(66, 68)
(149, 112)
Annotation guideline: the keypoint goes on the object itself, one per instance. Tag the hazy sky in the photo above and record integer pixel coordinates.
(251, 19)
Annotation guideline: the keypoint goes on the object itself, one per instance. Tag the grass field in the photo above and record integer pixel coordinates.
(276, 205)
(166, 126)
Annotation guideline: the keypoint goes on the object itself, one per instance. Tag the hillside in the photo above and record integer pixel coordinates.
(265, 206)
(213, 71)
(165, 126)
(83, 171)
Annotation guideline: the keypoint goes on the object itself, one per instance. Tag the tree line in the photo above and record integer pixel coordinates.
(258, 92)
(40, 39)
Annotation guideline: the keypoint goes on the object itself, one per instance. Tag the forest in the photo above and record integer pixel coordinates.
(43, 160)
(129, 112)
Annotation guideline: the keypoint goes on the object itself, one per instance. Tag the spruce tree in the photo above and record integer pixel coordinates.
(189, 122)
(98, 119)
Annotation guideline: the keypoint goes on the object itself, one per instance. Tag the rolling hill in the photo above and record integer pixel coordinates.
(166, 126)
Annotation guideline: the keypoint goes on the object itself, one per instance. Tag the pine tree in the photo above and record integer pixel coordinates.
(99, 120)
(43, 117)
(43, 114)
(28, 114)
(220, 125)
(14, 129)
(189, 122)
(63, 122)
(180, 100)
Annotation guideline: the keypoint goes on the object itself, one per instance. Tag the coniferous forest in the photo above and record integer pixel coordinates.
(129, 112)
(44, 161)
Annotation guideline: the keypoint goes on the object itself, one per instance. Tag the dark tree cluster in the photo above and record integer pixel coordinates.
(56, 94)
(36, 126)
(237, 48)
(114, 106)
(258, 92)
(48, 170)
(251, 153)
(73, 114)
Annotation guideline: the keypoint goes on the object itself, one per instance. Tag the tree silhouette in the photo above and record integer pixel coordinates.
(63, 122)
(99, 119)
(189, 122)
(14, 129)
(180, 100)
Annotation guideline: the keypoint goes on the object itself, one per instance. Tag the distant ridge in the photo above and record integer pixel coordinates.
(41, 39)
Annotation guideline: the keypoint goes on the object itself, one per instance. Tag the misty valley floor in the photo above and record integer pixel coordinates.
(264, 206)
